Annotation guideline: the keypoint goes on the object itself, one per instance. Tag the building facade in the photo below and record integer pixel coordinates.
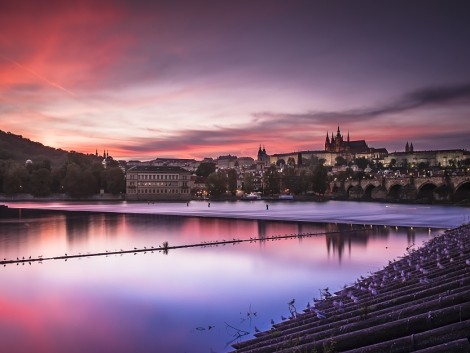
(436, 158)
(152, 183)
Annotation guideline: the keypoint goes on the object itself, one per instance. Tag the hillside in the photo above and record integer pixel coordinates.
(17, 148)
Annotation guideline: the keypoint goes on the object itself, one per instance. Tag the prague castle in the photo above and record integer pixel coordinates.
(335, 147)
(337, 144)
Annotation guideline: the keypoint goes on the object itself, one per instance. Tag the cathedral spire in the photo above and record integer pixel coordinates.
(327, 138)
(407, 147)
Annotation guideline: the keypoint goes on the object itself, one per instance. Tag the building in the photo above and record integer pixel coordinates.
(190, 164)
(263, 157)
(226, 162)
(152, 183)
(339, 145)
(335, 147)
(245, 162)
(433, 158)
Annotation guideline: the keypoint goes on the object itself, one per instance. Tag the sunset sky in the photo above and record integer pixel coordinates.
(194, 79)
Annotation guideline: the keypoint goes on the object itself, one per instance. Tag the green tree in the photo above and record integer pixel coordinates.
(216, 183)
(272, 181)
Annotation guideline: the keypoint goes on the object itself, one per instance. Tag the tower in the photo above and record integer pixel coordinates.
(407, 147)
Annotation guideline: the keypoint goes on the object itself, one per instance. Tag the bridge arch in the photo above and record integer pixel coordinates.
(425, 191)
(368, 191)
(462, 191)
(395, 191)
(354, 192)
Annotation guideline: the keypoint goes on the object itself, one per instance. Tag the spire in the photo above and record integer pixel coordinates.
(338, 133)
(407, 147)
(327, 138)
(348, 136)
(411, 147)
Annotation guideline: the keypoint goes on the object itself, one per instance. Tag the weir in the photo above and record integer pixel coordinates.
(419, 303)
(165, 247)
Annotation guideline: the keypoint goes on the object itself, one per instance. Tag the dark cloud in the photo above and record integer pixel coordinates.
(422, 98)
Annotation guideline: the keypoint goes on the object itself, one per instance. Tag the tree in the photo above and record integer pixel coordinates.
(340, 160)
(289, 179)
(79, 183)
(16, 180)
(362, 162)
(232, 181)
(115, 180)
(205, 168)
(272, 180)
(248, 183)
(40, 182)
(58, 176)
(320, 180)
(216, 183)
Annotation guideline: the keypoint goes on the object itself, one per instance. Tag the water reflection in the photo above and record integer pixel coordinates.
(152, 302)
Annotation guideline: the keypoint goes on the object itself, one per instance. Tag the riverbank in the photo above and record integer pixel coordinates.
(419, 303)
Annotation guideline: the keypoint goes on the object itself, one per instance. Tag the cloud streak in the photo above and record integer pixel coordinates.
(418, 99)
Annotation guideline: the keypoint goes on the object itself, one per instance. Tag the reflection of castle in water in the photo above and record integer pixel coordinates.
(337, 243)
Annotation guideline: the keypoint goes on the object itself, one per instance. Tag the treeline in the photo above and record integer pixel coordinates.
(18, 148)
(79, 176)
(274, 180)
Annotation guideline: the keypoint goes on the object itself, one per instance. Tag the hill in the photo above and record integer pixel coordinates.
(17, 148)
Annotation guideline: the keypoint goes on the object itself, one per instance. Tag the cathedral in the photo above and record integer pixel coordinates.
(337, 144)
(263, 155)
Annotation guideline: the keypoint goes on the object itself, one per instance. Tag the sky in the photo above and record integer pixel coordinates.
(195, 79)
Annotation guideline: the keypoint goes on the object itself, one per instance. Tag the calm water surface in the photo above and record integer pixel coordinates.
(191, 300)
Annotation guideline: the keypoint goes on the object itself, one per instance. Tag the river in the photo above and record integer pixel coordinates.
(189, 300)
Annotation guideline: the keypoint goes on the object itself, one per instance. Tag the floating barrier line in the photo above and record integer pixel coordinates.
(167, 248)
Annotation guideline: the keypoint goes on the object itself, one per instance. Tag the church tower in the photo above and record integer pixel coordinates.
(327, 142)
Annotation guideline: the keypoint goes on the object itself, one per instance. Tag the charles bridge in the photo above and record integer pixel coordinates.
(436, 188)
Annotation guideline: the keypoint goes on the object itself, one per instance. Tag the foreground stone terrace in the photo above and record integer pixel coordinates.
(419, 303)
